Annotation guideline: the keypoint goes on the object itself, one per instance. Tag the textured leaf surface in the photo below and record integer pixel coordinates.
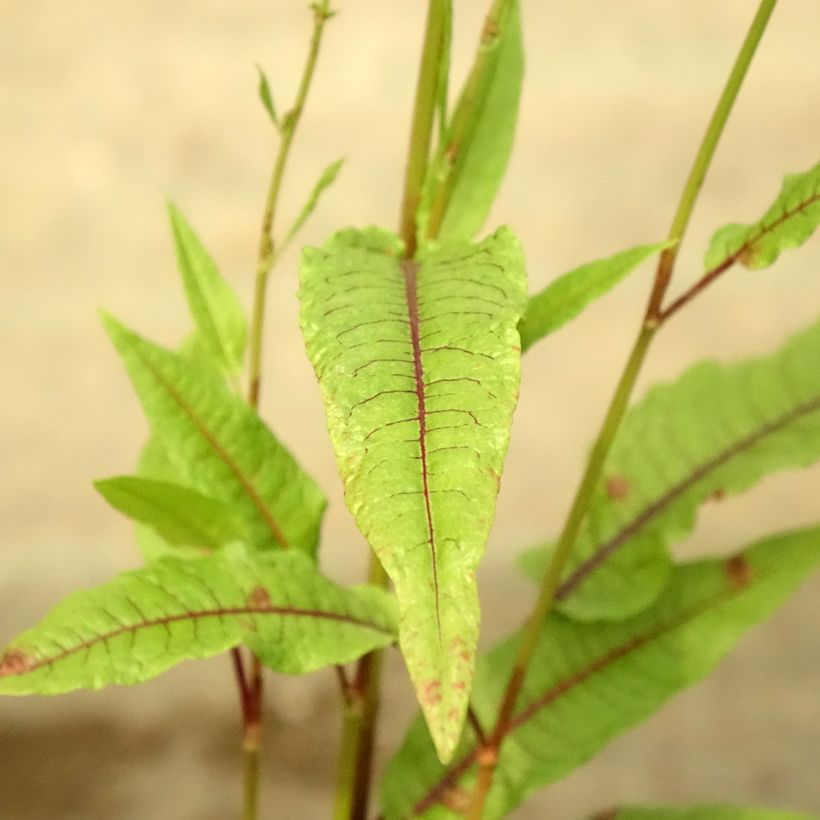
(706, 811)
(214, 306)
(179, 514)
(147, 620)
(419, 368)
(591, 682)
(218, 446)
(714, 432)
(488, 107)
(791, 220)
(562, 300)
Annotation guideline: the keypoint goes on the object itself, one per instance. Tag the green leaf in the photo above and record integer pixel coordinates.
(266, 96)
(325, 180)
(589, 683)
(145, 621)
(219, 446)
(214, 306)
(791, 220)
(470, 164)
(706, 811)
(563, 299)
(716, 431)
(419, 362)
(180, 515)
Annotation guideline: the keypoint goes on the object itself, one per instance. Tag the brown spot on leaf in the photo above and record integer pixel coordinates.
(617, 487)
(738, 571)
(747, 255)
(15, 662)
(456, 800)
(431, 692)
(609, 814)
(259, 598)
(718, 495)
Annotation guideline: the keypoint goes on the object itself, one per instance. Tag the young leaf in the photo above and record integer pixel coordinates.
(791, 220)
(145, 621)
(706, 811)
(467, 171)
(266, 96)
(589, 683)
(220, 447)
(325, 181)
(418, 362)
(180, 515)
(214, 306)
(562, 300)
(443, 79)
(716, 431)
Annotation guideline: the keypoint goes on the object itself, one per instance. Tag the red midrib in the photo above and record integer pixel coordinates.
(192, 615)
(410, 271)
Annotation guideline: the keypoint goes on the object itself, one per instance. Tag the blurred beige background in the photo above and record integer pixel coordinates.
(107, 108)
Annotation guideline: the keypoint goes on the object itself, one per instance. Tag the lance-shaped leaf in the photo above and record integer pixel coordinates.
(214, 306)
(180, 515)
(327, 178)
(705, 811)
(418, 362)
(716, 431)
(220, 447)
(145, 621)
(791, 220)
(466, 173)
(589, 683)
(565, 298)
(266, 97)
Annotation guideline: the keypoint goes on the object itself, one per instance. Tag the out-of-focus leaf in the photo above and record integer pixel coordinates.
(220, 447)
(565, 298)
(589, 683)
(791, 220)
(716, 431)
(214, 306)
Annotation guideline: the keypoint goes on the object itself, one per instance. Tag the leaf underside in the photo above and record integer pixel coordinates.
(148, 620)
(418, 362)
(588, 683)
(217, 445)
(716, 431)
(789, 222)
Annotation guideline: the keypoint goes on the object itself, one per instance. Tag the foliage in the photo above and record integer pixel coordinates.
(416, 340)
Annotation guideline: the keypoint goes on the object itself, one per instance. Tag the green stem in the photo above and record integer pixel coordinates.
(467, 109)
(704, 156)
(251, 692)
(250, 779)
(361, 712)
(424, 109)
(533, 629)
(267, 246)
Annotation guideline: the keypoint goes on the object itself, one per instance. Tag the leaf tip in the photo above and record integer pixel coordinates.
(15, 662)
